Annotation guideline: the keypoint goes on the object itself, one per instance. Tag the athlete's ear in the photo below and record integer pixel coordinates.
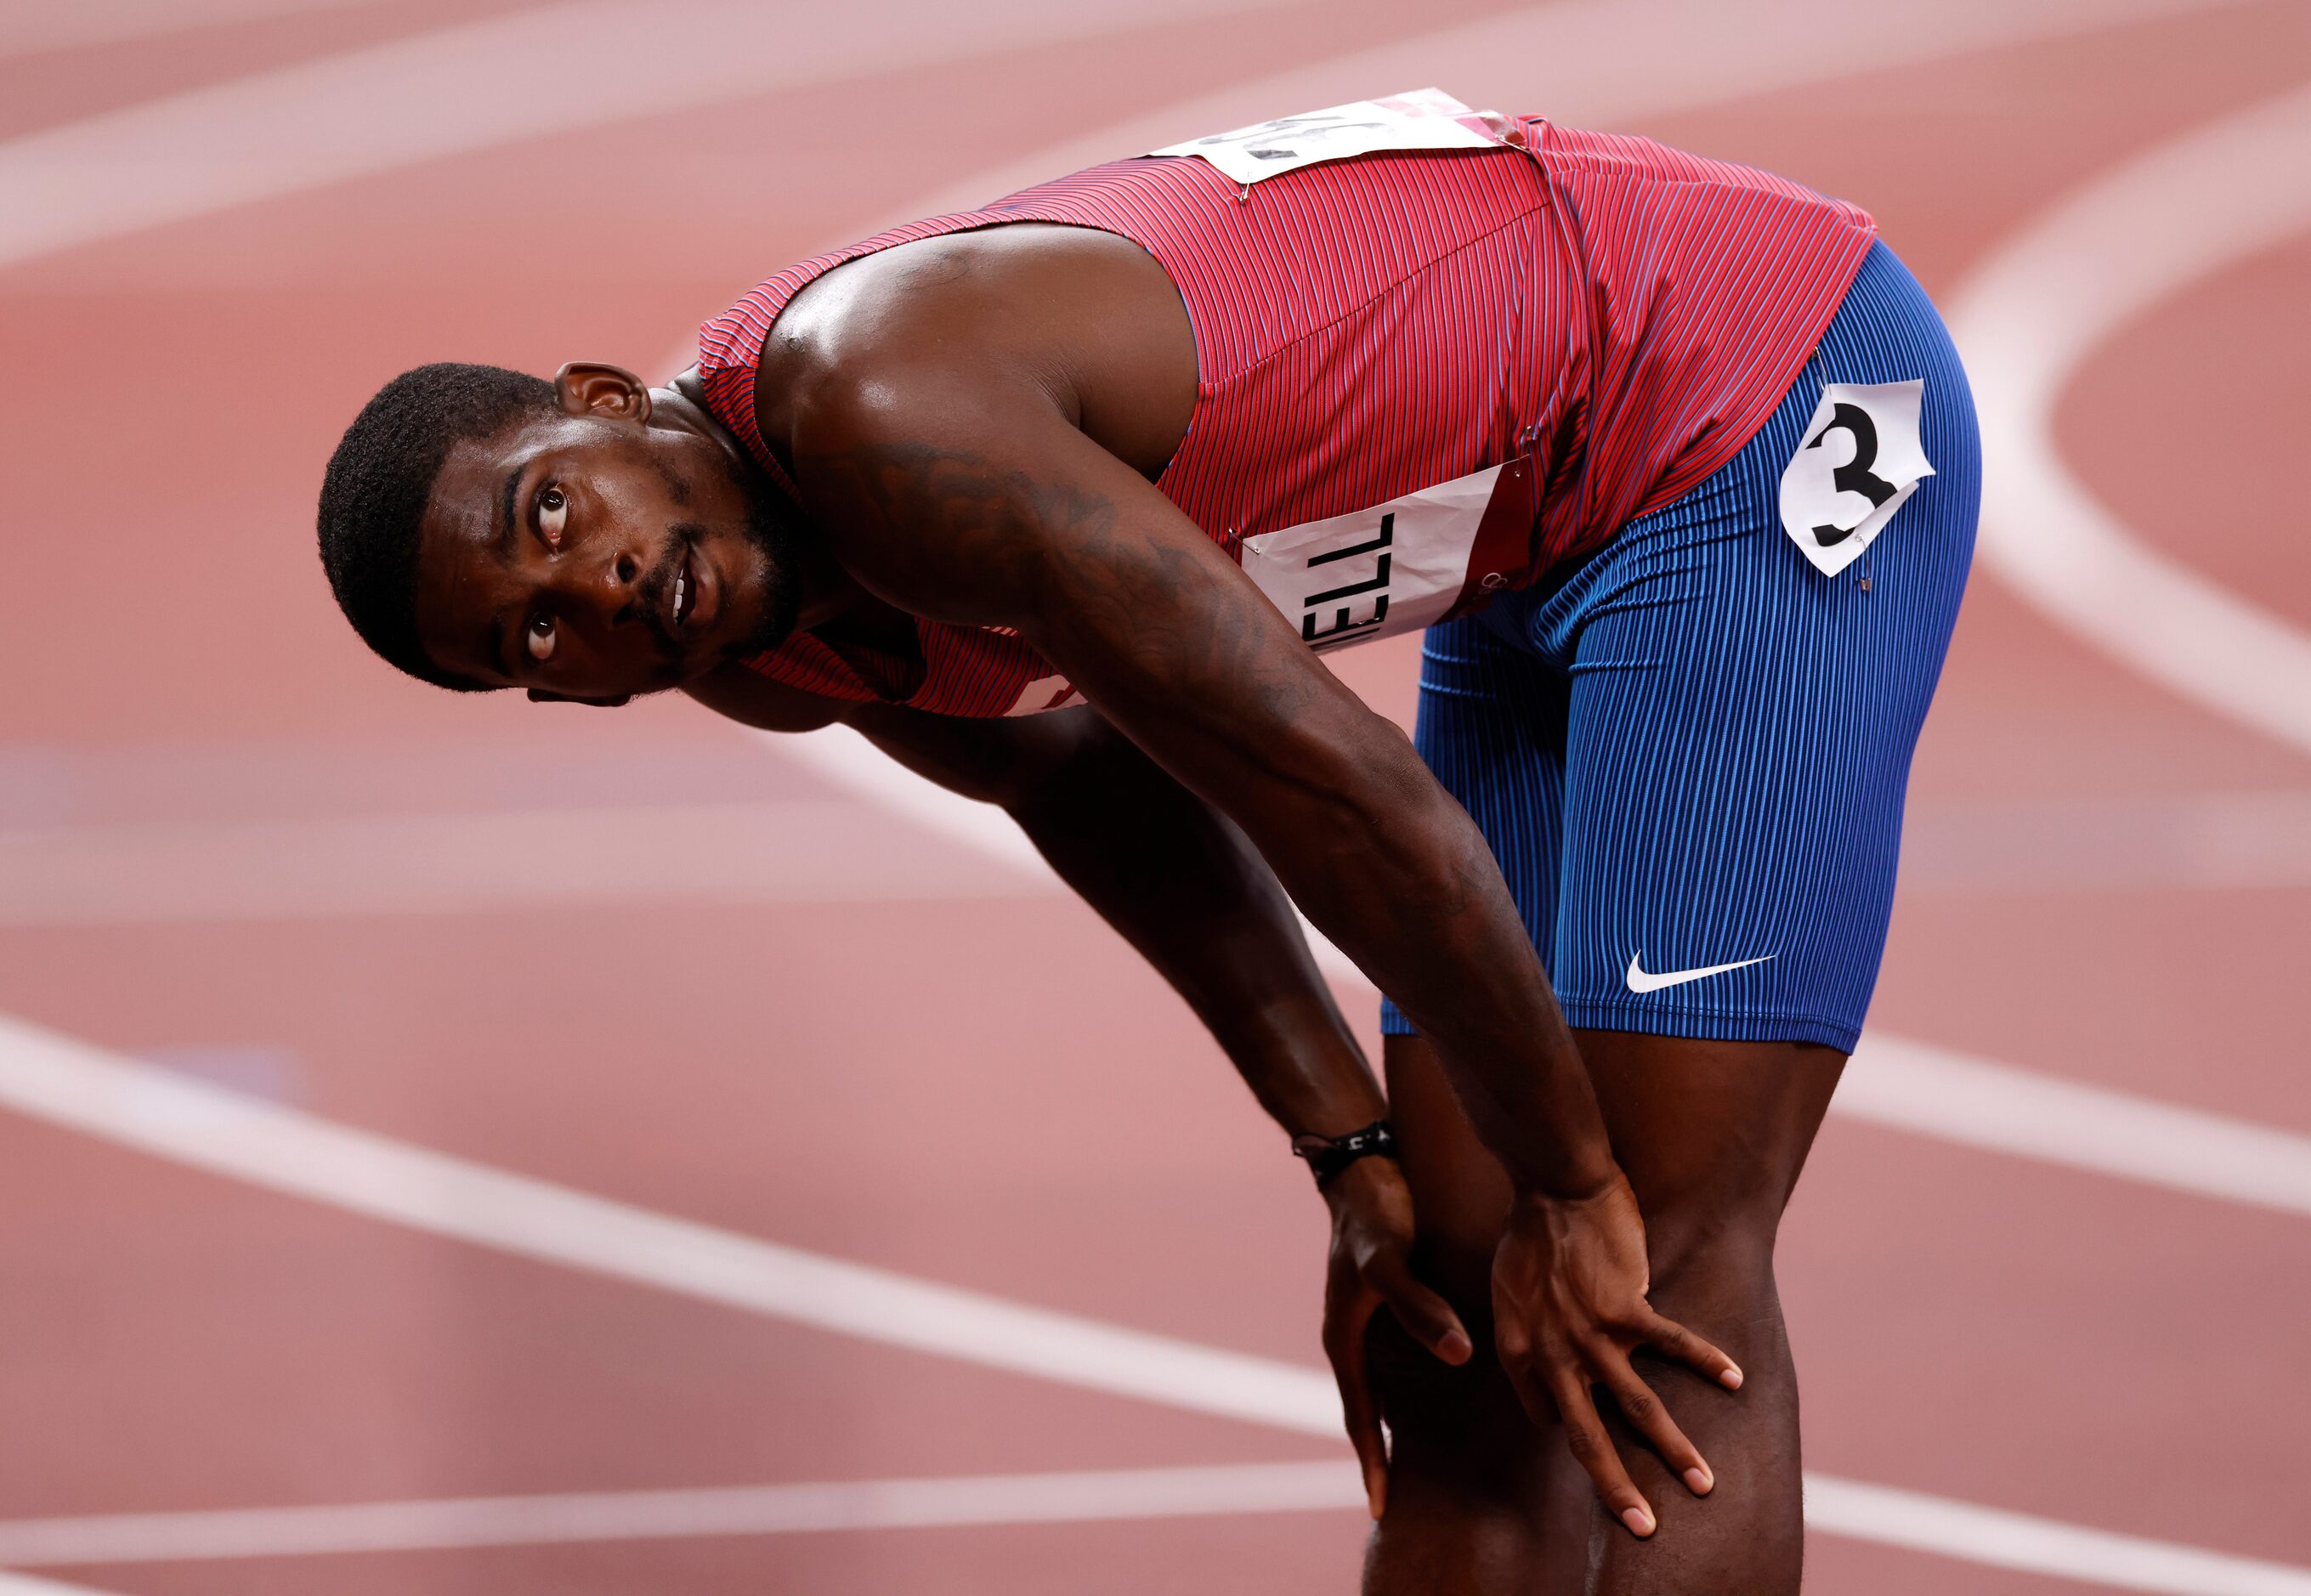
(591, 387)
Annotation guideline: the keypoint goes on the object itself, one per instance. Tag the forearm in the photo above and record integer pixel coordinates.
(1186, 889)
(1394, 871)
(986, 515)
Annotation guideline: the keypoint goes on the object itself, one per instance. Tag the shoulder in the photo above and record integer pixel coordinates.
(1022, 299)
(878, 348)
(753, 699)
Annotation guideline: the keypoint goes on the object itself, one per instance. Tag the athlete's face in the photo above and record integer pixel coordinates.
(595, 554)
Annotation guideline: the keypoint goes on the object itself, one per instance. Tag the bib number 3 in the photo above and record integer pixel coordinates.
(1859, 462)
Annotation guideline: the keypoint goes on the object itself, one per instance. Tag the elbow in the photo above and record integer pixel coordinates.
(1382, 825)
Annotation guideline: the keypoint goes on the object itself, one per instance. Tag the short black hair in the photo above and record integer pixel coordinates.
(374, 496)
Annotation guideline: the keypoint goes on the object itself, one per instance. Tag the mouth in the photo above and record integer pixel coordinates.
(690, 603)
(684, 600)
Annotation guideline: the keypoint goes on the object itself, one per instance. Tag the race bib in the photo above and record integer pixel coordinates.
(1860, 462)
(1400, 565)
(1422, 120)
(1371, 574)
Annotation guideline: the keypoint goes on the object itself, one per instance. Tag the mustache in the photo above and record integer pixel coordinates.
(656, 584)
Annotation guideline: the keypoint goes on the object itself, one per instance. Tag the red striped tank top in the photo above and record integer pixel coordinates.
(1423, 376)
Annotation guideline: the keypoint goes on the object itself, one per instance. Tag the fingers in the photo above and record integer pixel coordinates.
(1515, 1349)
(1593, 1449)
(1561, 1392)
(1427, 1317)
(1649, 1418)
(1689, 1349)
(1344, 1345)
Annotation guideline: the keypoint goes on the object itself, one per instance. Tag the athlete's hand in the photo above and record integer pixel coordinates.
(1569, 1306)
(1372, 1270)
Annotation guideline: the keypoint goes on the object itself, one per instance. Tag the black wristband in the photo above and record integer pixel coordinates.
(1328, 1156)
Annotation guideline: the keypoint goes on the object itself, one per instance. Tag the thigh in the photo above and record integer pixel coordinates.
(1740, 725)
(1491, 728)
(1713, 1136)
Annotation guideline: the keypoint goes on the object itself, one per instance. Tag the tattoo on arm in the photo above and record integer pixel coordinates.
(992, 544)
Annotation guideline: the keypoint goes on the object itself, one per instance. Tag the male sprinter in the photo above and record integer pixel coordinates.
(1678, 468)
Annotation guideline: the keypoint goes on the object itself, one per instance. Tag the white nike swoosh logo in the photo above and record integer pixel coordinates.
(1639, 981)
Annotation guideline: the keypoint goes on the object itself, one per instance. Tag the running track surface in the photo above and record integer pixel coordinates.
(871, 1040)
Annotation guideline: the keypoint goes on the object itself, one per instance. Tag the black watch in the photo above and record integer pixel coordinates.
(1328, 1156)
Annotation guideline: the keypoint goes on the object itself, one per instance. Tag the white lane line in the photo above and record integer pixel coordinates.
(27, 28)
(734, 1510)
(24, 1584)
(2036, 309)
(1931, 1091)
(1919, 1522)
(2002, 1539)
(69, 1083)
(457, 90)
(789, 851)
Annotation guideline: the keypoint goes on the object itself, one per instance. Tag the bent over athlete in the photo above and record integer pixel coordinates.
(1675, 466)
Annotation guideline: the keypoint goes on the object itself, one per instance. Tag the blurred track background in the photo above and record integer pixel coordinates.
(447, 1145)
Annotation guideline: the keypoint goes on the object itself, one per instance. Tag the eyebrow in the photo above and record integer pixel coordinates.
(505, 509)
(493, 635)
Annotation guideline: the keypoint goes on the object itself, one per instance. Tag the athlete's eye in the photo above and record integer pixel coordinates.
(540, 634)
(553, 511)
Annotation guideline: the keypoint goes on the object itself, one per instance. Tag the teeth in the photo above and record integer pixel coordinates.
(681, 593)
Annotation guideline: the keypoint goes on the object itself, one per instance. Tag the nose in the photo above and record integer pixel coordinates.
(612, 594)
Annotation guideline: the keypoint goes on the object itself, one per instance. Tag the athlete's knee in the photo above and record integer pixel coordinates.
(1714, 1275)
(1459, 1428)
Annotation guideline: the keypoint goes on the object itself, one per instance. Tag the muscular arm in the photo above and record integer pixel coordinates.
(963, 497)
(1186, 890)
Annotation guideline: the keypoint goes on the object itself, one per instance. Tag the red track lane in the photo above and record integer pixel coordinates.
(934, 1088)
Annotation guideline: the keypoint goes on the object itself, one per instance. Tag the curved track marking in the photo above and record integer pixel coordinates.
(283, 1149)
(2028, 318)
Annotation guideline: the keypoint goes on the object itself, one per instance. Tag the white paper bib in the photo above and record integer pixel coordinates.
(1374, 573)
(1371, 574)
(1421, 119)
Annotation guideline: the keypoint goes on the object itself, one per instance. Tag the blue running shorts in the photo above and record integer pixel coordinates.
(1688, 752)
